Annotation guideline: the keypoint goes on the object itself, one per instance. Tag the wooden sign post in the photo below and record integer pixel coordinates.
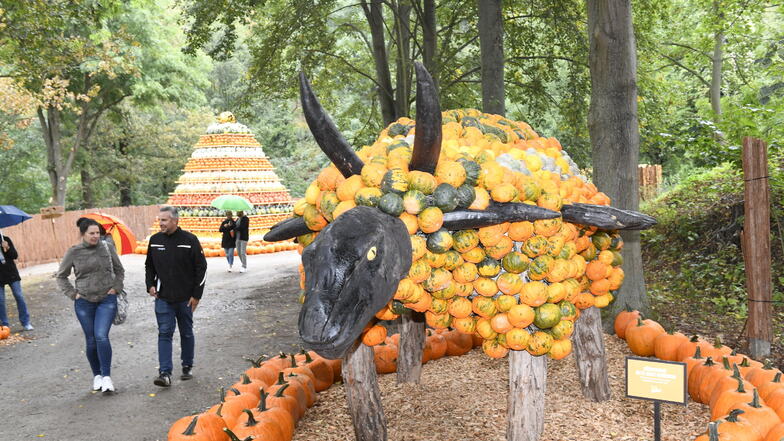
(756, 245)
(658, 381)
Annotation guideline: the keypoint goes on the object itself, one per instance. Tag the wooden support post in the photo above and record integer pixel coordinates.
(411, 347)
(362, 394)
(527, 385)
(590, 356)
(756, 241)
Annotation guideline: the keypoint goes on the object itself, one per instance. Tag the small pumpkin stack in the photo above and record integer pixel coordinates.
(746, 397)
(266, 403)
(438, 343)
(519, 286)
(5, 332)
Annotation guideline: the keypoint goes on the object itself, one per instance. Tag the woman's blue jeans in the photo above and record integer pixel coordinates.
(96, 320)
(169, 316)
(21, 306)
(229, 255)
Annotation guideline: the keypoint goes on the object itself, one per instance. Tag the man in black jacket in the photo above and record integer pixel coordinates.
(175, 272)
(242, 229)
(9, 275)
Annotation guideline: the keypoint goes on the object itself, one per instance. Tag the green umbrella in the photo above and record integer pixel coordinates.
(231, 202)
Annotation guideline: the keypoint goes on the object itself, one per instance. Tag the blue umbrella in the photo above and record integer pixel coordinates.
(10, 215)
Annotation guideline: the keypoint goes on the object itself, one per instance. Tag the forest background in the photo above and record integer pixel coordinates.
(102, 101)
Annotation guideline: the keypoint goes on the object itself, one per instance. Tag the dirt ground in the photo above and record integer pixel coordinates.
(45, 379)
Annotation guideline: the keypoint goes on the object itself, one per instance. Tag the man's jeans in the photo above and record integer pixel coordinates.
(21, 306)
(170, 315)
(242, 252)
(96, 320)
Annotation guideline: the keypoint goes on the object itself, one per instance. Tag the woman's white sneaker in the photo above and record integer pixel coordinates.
(97, 382)
(106, 385)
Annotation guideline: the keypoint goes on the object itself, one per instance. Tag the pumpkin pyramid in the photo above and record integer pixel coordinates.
(229, 160)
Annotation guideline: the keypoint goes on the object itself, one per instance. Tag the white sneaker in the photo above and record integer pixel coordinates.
(242, 270)
(106, 385)
(28, 327)
(229, 268)
(97, 381)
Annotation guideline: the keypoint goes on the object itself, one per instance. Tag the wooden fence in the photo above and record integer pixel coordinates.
(650, 177)
(46, 240)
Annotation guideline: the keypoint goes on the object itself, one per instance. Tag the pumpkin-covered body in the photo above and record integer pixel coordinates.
(552, 267)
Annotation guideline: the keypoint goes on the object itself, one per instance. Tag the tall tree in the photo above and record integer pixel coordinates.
(613, 125)
(491, 43)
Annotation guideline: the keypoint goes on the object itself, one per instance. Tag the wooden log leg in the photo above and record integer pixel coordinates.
(590, 356)
(412, 343)
(527, 385)
(362, 394)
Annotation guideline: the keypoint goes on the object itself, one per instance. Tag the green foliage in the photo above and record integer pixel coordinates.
(694, 252)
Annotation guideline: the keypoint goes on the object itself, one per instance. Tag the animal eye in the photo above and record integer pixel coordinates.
(371, 254)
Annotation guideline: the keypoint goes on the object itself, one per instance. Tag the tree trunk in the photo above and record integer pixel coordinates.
(50, 126)
(590, 357)
(362, 394)
(491, 43)
(615, 136)
(403, 78)
(88, 195)
(527, 385)
(430, 39)
(124, 183)
(410, 349)
(716, 74)
(386, 97)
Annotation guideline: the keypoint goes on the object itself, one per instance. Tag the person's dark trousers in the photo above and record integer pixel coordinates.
(96, 320)
(170, 315)
(21, 306)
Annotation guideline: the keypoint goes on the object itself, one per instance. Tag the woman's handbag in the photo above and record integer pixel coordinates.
(122, 296)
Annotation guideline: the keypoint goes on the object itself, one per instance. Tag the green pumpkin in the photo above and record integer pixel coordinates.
(617, 259)
(391, 204)
(492, 130)
(424, 182)
(398, 307)
(489, 267)
(446, 293)
(562, 329)
(465, 240)
(394, 181)
(445, 197)
(547, 316)
(568, 310)
(530, 191)
(399, 129)
(439, 242)
(472, 171)
(616, 243)
(539, 267)
(368, 196)
(465, 196)
(414, 201)
(515, 262)
(601, 240)
(327, 202)
(453, 258)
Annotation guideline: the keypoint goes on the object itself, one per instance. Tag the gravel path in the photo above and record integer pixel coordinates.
(45, 380)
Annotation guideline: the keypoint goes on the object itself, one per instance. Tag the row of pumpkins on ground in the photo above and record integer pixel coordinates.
(746, 397)
(271, 397)
(5, 332)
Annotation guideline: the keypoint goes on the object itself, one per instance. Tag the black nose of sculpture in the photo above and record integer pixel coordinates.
(353, 269)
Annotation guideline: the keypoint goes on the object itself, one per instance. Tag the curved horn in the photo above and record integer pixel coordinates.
(287, 229)
(326, 134)
(496, 214)
(427, 139)
(606, 218)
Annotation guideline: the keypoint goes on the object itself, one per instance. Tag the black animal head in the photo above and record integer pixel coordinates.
(353, 268)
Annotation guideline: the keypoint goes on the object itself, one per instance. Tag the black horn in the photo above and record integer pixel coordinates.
(605, 217)
(427, 139)
(287, 229)
(496, 214)
(326, 133)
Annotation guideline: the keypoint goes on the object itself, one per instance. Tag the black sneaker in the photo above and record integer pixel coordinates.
(163, 380)
(186, 373)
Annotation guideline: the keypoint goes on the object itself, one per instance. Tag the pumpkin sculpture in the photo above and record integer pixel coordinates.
(469, 217)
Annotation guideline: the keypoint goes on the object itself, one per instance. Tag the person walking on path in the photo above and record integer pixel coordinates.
(227, 241)
(99, 276)
(242, 228)
(175, 272)
(9, 275)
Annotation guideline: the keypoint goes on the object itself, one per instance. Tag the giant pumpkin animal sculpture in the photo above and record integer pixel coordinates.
(471, 218)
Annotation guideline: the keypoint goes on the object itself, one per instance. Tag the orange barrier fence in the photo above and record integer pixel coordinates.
(41, 240)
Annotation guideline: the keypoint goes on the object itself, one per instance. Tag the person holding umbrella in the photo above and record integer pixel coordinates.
(9, 275)
(241, 236)
(227, 240)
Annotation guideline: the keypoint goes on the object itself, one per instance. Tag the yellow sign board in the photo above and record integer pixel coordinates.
(651, 379)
